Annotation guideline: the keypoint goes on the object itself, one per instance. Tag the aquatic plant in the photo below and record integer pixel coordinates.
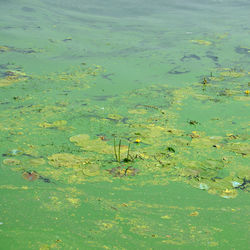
(117, 153)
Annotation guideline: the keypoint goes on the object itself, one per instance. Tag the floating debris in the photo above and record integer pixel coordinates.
(228, 193)
(30, 176)
(203, 186)
(14, 152)
(193, 122)
(123, 171)
(236, 184)
(195, 213)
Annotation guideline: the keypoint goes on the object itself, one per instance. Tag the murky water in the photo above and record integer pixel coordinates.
(124, 124)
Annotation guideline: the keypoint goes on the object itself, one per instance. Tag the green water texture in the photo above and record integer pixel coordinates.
(124, 124)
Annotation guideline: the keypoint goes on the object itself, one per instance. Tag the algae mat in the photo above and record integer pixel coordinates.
(124, 126)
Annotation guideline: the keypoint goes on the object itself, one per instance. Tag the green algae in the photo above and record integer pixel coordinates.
(189, 147)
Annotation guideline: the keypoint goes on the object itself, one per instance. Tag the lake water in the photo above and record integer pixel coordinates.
(124, 124)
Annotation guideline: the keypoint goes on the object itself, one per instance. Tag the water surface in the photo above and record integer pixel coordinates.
(124, 124)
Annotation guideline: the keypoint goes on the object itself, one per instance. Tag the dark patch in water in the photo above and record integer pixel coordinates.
(244, 185)
(44, 179)
(28, 9)
(102, 97)
(214, 58)
(191, 56)
(177, 72)
(107, 76)
(67, 39)
(28, 51)
(242, 50)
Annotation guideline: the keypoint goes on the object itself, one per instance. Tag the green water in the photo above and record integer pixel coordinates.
(124, 124)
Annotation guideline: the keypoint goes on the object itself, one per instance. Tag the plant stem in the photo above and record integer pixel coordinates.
(119, 151)
(128, 150)
(115, 150)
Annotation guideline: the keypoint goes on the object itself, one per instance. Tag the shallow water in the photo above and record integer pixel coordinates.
(124, 124)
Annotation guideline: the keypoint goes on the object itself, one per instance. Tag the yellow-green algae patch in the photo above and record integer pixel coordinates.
(97, 145)
(72, 168)
(78, 75)
(160, 145)
(232, 74)
(66, 160)
(11, 162)
(61, 124)
(12, 77)
(94, 145)
(202, 42)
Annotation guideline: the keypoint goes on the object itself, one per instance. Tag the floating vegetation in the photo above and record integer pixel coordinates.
(232, 74)
(11, 77)
(140, 154)
(150, 121)
(94, 145)
(54, 125)
(201, 42)
(19, 50)
(239, 148)
(79, 75)
(66, 160)
(115, 117)
(11, 162)
(4, 48)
